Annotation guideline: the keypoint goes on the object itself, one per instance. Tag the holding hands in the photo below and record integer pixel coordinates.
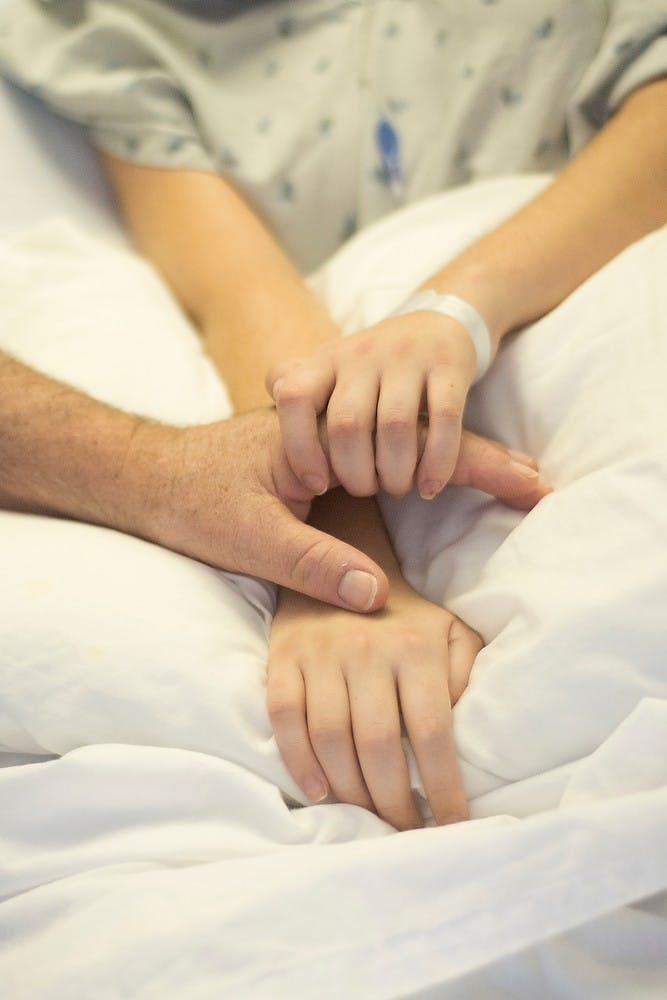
(392, 398)
(373, 386)
(382, 409)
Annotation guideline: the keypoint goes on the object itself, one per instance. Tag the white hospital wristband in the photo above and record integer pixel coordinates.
(463, 313)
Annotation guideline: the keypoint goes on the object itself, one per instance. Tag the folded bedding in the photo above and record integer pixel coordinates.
(146, 669)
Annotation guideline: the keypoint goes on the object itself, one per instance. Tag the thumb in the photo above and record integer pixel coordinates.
(493, 468)
(305, 559)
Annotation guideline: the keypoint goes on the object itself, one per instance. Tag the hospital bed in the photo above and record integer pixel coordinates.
(151, 842)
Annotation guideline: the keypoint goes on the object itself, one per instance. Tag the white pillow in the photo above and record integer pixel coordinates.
(108, 638)
(105, 637)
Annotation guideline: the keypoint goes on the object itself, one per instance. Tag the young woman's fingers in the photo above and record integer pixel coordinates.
(446, 395)
(300, 395)
(428, 719)
(330, 732)
(377, 737)
(286, 703)
(350, 425)
(396, 435)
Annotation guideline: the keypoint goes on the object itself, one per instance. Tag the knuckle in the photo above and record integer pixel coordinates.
(429, 729)
(326, 736)
(412, 642)
(360, 350)
(290, 394)
(378, 740)
(347, 424)
(395, 484)
(451, 411)
(395, 422)
(281, 705)
(403, 348)
(359, 645)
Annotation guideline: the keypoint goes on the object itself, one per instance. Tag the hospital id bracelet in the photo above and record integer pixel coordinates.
(463, 313)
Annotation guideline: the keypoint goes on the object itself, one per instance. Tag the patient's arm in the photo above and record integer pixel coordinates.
(611, 194)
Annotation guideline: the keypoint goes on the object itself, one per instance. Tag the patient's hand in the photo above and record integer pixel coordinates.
(339, 685)
(372, 387)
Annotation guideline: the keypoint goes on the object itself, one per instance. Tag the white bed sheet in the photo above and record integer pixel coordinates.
(150, 872)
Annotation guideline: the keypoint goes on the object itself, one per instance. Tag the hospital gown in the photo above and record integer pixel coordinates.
(328, 115)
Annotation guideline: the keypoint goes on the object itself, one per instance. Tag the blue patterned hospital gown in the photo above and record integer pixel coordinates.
(330, 113)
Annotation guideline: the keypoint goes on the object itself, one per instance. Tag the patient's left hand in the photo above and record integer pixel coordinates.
(339, 685)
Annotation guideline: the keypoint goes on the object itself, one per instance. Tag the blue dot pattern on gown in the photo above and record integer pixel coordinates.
(338, 110)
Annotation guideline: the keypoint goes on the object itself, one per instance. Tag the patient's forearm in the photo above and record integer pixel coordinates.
(610, 195)
(249, 302)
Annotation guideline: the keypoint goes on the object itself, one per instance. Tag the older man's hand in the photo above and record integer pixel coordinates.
(226, 494)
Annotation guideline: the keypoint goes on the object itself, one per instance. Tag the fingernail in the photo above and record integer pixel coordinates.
(521, 456)
(358, 589)
(315, 789)
(524, 470)
(429, 490)
(315, 485)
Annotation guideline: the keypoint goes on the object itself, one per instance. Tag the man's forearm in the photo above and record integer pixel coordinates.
(221, 493)
(610, 195)
(61, 452)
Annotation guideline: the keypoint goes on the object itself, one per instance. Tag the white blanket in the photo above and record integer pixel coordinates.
(106, 640)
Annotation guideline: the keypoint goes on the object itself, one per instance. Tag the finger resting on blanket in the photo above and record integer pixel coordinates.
(377, 735)
(428, 720)
(330, 730)
(286, 704)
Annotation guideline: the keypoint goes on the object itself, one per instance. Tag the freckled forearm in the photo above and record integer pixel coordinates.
(61, 452)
